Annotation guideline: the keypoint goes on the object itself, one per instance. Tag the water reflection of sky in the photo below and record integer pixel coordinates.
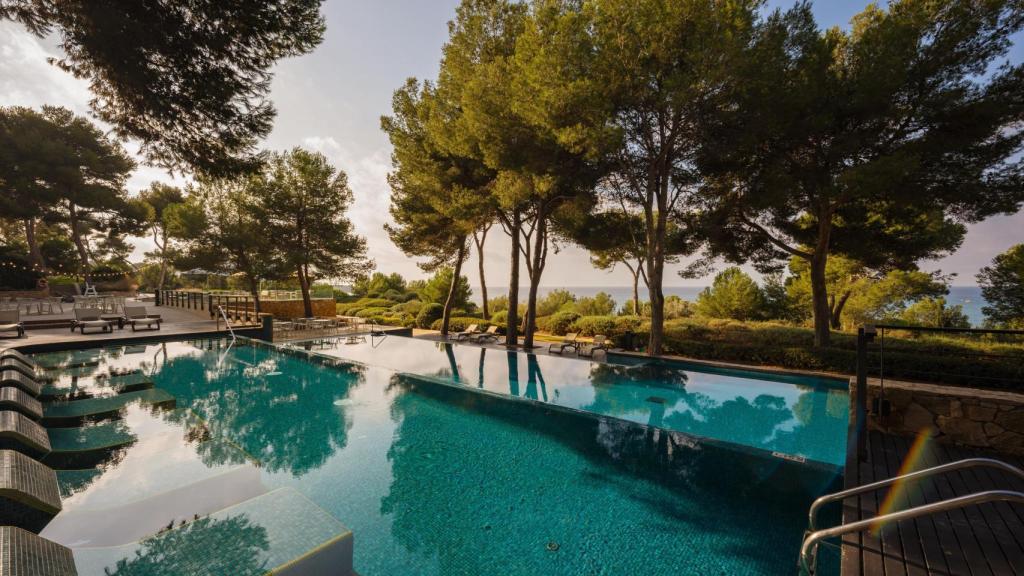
(807, 420)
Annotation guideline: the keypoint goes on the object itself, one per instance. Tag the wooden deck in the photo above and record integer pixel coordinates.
(985, 540)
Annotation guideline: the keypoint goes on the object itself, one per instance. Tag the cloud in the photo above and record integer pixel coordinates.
(27, 79)
(367, 177)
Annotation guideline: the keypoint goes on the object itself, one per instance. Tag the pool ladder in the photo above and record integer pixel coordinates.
(813, 536)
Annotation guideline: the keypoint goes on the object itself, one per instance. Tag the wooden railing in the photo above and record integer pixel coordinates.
(238, 307)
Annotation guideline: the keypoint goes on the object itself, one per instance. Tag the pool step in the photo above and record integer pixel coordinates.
(29, 497)
(118, 384)
(280, 532)
(75, 412)
(21, 433)
(14, 378)
(22, 553)
(86, 446)
(13, 363)
(115, 525)
(18, 400)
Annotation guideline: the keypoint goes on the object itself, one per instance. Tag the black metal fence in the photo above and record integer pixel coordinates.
(968, 357)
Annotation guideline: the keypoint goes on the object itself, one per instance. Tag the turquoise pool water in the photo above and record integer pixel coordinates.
(436, 479)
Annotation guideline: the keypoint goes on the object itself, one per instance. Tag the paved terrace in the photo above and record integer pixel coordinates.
(176, 321)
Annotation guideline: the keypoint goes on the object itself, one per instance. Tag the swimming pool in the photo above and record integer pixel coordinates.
(442, 460)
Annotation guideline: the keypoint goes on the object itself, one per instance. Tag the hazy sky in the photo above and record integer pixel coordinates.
(331, 100)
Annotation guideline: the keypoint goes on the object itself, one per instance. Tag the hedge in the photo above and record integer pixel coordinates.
(428, 313)
(460, 323)
(610, 326)
(558, 323)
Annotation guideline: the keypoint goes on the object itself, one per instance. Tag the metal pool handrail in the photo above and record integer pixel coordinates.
(811, 540)
(912, 476)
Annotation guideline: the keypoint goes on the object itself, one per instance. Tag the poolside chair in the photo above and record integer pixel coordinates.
(137, 316)
(491, 335)
(600, 343)
(10, 321)
(568, 341)
(90, 318)
(470, 330)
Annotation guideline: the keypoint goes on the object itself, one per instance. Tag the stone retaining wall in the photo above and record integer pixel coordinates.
(964, 416)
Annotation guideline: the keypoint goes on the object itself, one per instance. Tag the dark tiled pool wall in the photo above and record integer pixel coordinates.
(679, 460)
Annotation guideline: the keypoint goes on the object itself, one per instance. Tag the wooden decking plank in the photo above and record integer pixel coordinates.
(850, 557)
(933, 490)
(980, 521)
(932, 540)
(913, 552)
(969, 553)
(871, 545)
(1002, 520)
(893, 552)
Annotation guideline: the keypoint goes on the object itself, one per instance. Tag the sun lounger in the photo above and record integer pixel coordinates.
(600, 343)
(490, 335)
(137, 316)
(568, 341)
(90, 318)
(470, 330)
(10, 321)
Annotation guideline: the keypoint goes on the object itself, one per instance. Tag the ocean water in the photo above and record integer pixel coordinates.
(967, 296)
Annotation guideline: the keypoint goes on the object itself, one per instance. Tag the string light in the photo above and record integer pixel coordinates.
(10, 265)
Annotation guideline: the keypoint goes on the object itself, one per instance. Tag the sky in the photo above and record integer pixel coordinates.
(331, 100)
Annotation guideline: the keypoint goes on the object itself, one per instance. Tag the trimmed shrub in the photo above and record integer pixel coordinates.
(373, 311)
(500, 318)
(460, 323)
(610, 326)
(428, 313)
(558, 323)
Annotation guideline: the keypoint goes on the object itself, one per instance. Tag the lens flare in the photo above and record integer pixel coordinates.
(913, 461)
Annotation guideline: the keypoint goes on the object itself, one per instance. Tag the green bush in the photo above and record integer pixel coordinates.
(412, 307)
(942, 359)
(373, 311)
(500, 318)
(428, 313)
(558, 323)
(610, 326)
(460, 323)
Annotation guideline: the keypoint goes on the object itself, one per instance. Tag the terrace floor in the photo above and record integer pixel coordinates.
(976, 541)
(176, 321)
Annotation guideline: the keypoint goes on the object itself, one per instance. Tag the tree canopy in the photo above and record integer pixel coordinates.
(188, 79)
(1002, 286)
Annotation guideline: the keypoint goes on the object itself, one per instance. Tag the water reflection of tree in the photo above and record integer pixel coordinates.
(279, 410)
(210, 546)
(657, 388)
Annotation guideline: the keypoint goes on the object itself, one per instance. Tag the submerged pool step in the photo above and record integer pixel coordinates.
(117, 384)
(86, 446)
(15, 379)
(29, 497)
(73, 413)
(23, 553)
(280, 532)
(22, 434)
(115, 524)
(18, 400)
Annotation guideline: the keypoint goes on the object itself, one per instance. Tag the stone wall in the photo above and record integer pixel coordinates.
(285, 309)
(965, 416)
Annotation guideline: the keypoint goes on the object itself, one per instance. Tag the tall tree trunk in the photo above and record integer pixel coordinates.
(161, 248)
(540, 240)
(479, 241)
(76, 236)
(819, 301)
(636, 290)
(655, 272)
(34, 253)
(307, 302)
(254, 287)
(446, 316)
(837, 310)
(511, 334)
(819, 288)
